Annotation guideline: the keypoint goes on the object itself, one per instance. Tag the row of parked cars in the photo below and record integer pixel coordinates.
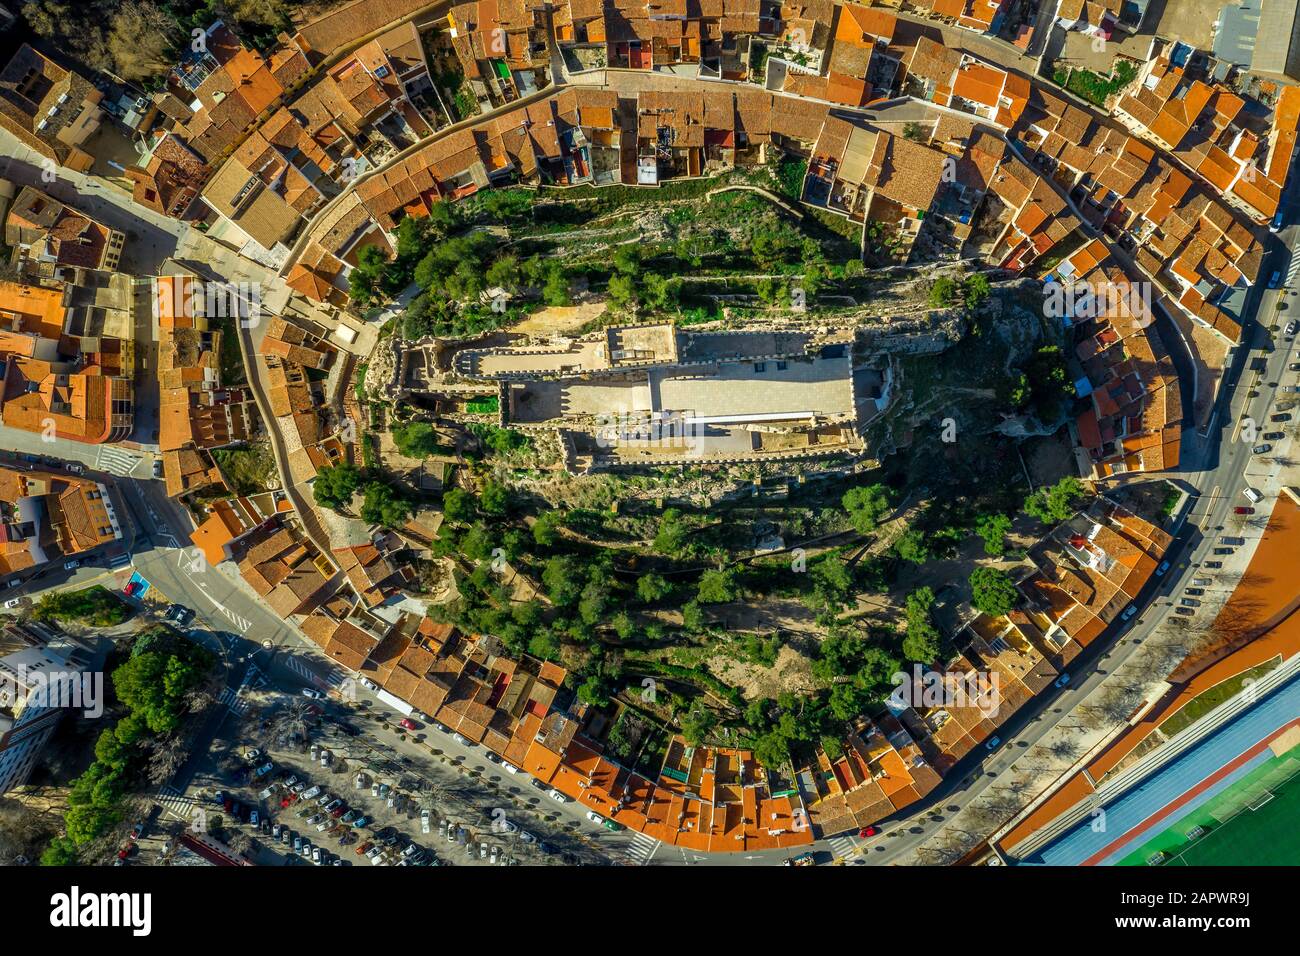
(330, 815)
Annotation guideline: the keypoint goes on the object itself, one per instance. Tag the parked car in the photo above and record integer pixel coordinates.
(1223, 550)
(360, 821)
(180, 614)
(1291, 327)
(460, 740)
(993, 743)
(311, 794)
(527, 837)
(1262, 449)
(407, 723)
(337, 812)
(424, 821)
(1274, 436)
(509, 767)
(157, 468)
(1243, 510)
(263, 770)
(1061, 681)
(1275, 279)
(1185, 611)
(595, 817)
(868, 832)
(349, 816)
(557, 796)
(1160, 571)
(1195, 592)
(333, 804)
(1128, 612)
(1214, 565)
(315, 855)
(364, 848)
(255, 818)
(312, 693)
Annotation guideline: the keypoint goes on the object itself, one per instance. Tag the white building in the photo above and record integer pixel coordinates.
(39, 681)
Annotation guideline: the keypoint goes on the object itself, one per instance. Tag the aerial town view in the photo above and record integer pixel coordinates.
(650, 433)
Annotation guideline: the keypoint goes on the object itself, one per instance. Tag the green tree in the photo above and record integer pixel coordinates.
(993, 591)
(832, 583)
(417, 439)
(912, 546)
(922, 641)
(976, 289)
(366, 278)
(693, 617)
(335, 485)
(1055, 504)
(383, 505)
(562, 578)
(943, 292)
(866, 505)
(717, 586)
(495, 499)
(993, 528)
(458, 506)
(545, 531)
(698, 724)
(60, 852)
(670, 538)
(652, 587)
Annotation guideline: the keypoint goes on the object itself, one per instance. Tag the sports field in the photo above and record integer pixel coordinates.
(1251, 823)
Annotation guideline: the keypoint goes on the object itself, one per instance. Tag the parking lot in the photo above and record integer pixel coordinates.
(374, 798)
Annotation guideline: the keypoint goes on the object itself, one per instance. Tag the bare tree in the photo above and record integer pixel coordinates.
(142, 40)
(290, 724)
(167, 756)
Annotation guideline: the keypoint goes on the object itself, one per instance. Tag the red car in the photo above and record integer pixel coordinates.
(868, 832)
(1243, 510)
(131, 588)
(407, 722)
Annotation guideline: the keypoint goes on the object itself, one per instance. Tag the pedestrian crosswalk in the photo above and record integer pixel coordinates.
(176, 803)
(115, 460)
(1294, 268)
(844, 848)
(233, 700)
(641, 849)
(334, 677)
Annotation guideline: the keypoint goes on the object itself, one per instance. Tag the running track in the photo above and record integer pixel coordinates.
(1208, 768)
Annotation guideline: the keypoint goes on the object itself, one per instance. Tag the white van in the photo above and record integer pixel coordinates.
(1253, 496)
